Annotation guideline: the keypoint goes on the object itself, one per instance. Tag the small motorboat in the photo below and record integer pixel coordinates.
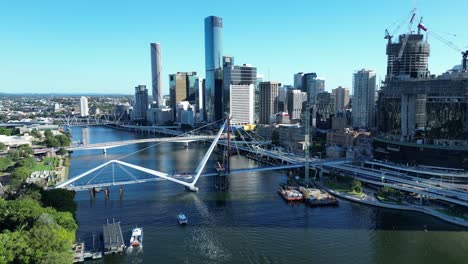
(137, 237)
(182, 219)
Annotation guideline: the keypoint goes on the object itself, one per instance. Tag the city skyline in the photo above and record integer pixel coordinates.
(109, 54)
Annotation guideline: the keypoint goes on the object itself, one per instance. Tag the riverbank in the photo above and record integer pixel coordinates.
(369, 199)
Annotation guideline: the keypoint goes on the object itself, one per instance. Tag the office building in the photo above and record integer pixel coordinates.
(341, 98)
(298, 80)
(268, 101)
(325, 106)
(295, 103)
(213, 67)
(156, 74)
(140, 106)
(84, 109)
(312, 85)
(239, 92)
(182, 88)
(199, 97)
(364, 84)
(257, 97)
(160, 116)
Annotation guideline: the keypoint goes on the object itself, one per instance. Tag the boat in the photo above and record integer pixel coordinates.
(137, 237)
(182, 219)
(290, 195)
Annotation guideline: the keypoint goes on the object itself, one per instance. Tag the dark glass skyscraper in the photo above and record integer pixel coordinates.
(213, 67)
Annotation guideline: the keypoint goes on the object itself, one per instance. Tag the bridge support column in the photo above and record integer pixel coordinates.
(192, 188)
(104, 151)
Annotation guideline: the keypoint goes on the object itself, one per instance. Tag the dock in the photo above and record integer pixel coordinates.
(317, 197)
(113, 238)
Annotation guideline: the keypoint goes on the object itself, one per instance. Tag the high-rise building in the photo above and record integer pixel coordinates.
(182, 88)
(199, 97)
(341, 98)
(282, 103)
(312, 85)
(325, 110)
(156, 73)
(268, 101)
(296, 99)
(213, 67)
(257, 97)
(228, 61)
(364, 84)
(141, 103)
(84, 109)
(239, 92)
(414, 58)
(298, 80)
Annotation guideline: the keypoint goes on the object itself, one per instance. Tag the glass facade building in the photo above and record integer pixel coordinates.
(213, 67)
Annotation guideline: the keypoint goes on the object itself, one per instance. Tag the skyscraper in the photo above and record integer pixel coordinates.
(268, 100)
(156, 73)
(213, 67)
(182, 88)
(341, 98)
(295, 99)
(298, 80)
(199, 97)
(239, 92)
(312, 85)
(257, 97)
(84, 109)
(141, 103)
(363, 113)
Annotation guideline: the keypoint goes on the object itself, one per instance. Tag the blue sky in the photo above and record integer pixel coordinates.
(103, 46)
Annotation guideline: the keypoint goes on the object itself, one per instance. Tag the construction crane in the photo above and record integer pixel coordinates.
(464, 53)
(389, 34)
(389, 37)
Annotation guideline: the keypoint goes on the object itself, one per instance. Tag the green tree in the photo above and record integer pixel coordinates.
(3, 147)
(52, 142)
(5, 131)
(63, 140)
(60, 199)
(5, 162)
(36, 134)
(28, 162)
(62, 151)
(48, 133)
(25, 151)
(19, 175)
(356, 186)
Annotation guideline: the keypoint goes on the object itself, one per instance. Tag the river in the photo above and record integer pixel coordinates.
(249, 223)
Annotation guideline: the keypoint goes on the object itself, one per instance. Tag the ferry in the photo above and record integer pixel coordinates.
(137, 237)
(182, 219)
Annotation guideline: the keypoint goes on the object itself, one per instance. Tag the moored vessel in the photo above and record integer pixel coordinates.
(136, 241)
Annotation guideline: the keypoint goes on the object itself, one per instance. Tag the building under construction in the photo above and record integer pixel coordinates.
(417, 107)
(408, 58)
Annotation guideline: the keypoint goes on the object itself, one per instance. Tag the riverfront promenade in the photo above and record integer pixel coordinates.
(369, 198)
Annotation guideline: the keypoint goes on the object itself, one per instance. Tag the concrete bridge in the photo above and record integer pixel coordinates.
(107, 145)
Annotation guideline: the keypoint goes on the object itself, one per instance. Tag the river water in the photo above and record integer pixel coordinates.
(249, 223)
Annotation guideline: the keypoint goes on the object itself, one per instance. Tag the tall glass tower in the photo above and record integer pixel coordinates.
(214, 68)
(156, 73)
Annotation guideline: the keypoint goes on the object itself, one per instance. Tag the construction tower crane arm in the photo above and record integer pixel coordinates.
(448, 43)
(405, 40)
